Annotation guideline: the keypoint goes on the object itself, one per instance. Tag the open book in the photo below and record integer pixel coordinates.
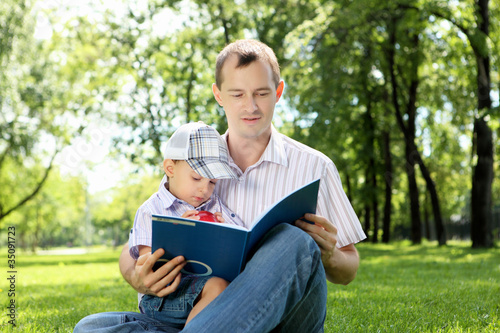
(222, 249)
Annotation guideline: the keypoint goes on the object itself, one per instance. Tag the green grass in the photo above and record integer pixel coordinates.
(399, 288)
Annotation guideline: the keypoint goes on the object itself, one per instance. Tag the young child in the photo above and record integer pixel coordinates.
(195, 157)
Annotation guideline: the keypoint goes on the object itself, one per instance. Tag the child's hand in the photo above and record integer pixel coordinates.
(191, 214)
(219, 217)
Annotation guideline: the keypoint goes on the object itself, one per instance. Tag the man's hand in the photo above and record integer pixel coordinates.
(341, 264)
(141, 277)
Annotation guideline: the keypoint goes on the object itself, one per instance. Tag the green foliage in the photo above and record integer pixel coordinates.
(114, 210)
(54, 217)
(148, 67)
(46, 94)
(399, 288)
(166, 74)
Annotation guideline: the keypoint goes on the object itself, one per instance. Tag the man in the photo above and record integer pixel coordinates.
(283, 286)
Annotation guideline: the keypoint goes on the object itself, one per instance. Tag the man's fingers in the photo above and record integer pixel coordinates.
(154, 258)
(169, 266)
(151, 260)
(165, 274)
(321, 221)
(169, 288)
(322, 231)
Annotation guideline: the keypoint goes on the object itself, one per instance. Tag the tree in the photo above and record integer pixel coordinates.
(45, 86)
(482, 180)
(166, 75)
(413, 155)
(22, 96)
(476, 28)
(115, 209)
(147, 78)
(54, 216)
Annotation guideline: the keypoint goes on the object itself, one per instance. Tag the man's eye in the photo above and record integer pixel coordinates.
(196, 178)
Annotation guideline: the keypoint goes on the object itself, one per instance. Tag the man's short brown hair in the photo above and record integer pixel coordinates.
(248, 51)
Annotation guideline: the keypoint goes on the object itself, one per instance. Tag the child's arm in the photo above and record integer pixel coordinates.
(143, 249)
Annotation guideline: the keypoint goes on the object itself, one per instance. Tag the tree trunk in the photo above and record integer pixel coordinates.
(436, 210)
(482, 178)
(386, 236)
(481, 223)
(412, 154)
(375, 207)
(367, 209)
(348, 185)
(416, 223)
(427, 223)
(367, 221)
(371, 174)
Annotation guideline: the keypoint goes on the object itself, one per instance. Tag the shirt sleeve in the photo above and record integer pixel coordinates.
(334, 205)
(141, 233)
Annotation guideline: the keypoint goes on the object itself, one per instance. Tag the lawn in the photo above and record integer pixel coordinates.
(399, 288)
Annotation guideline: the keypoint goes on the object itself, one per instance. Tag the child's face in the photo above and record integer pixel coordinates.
(186, 184)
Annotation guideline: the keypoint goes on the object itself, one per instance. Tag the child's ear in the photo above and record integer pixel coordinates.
(168, 167)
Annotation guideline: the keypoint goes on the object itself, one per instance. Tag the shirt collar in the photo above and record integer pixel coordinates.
(275, 151)
(167, 198)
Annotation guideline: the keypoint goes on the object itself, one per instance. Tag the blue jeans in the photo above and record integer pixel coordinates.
(174, 309)
(282, 289)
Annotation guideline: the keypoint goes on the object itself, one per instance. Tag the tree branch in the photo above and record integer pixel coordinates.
(35, 191)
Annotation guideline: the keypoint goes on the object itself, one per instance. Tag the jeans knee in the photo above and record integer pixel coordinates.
(86, 324)
(298, 241)
(292, 243)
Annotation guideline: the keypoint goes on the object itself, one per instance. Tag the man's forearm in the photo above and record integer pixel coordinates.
(343, 266)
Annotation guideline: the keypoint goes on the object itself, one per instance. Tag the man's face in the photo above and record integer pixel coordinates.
(248, 95)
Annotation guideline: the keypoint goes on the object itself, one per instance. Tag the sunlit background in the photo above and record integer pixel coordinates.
(91, 90)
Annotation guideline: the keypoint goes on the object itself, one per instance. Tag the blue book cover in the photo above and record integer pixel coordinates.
(222, 249)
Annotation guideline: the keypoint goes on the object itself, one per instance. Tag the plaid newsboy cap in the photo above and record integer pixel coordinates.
(202, 147)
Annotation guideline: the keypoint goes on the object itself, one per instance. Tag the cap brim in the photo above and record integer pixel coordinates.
(212, 168)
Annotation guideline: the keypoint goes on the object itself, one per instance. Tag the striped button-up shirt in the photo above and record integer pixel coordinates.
(165, 203)
(285, 166)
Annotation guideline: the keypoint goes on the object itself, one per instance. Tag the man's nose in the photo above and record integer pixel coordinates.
(251, 104)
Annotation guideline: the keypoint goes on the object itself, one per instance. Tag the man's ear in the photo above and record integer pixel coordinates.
(279, 90)
(168, 167)
(216, 92)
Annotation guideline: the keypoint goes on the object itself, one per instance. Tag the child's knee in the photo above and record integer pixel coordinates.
(216, 285)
